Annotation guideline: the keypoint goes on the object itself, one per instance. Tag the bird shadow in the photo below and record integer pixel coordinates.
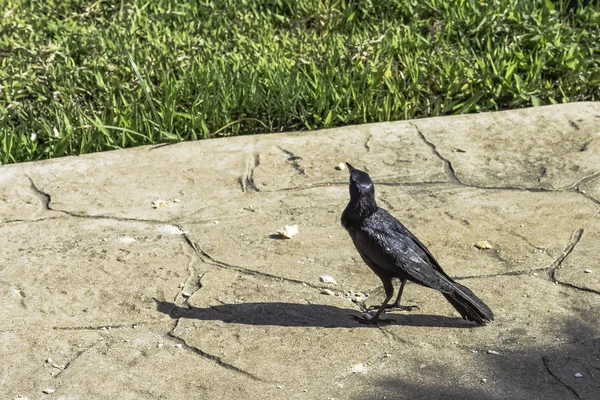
(295, 315)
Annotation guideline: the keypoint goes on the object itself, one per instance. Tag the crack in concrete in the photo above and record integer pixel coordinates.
(306, 187)
(402, 184)
(574, 125)
(192, 284)
(526, 240)
(575, 238)
(451, 173)
(93, 328)
(572, 286)
(587, 196)
(293, 160)
(345, 183)
(585, 179)
(424, 184)
(208, 259)
(495, 253)
(46, 200)
(216, 359)
(583, 289)
(546, 363)
(576, 187)
(44, 197)
(79, 354)
(387, 203)
(367, 145)
(550, 271)
(246, 181)
(507, 273)
(25, 221)
(585, 145)
(448, 168)
(120, 219)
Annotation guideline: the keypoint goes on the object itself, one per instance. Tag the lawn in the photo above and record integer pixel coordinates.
(83, 76)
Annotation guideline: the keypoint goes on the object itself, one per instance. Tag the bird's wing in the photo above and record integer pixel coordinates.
(387, 244)
(399, 228)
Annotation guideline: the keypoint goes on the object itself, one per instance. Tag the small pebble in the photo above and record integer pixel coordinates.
(327, 292)
(327, 279)
(492, 352)
(127, 240)
(176, 200)
(588, 271)
(48, 391)
(159, 345)
(358, 369)
(388, 355)
(483, 245)
(288, 231)
(178, 346)
(578, 375)
(341, 166)
(186, 294)
(484, 380)
(171, 230)
(216, 222)
(279, 387)
(49, 360)
(159, 203)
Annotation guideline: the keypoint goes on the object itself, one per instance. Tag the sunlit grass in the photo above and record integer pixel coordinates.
(82, 76)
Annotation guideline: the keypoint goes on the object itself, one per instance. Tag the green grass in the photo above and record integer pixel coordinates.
(83, 76)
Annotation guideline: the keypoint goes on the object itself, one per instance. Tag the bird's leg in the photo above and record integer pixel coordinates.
(389, 293)
(396, 305)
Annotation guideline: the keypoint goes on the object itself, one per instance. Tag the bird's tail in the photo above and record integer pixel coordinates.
(468, 305)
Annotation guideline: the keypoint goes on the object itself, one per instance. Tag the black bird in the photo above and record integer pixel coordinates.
(391, 251)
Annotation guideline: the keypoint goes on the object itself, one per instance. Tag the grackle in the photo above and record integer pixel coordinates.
(391, 251)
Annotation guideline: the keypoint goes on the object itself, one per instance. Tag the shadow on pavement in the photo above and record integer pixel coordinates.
(570, 370)
(292, 314)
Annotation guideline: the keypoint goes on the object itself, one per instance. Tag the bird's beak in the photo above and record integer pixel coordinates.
(350, 167)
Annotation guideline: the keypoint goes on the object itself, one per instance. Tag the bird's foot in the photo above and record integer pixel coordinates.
(392, 307)
(406, 308)
(367, 319)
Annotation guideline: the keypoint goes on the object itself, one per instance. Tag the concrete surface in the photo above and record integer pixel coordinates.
(104, 296)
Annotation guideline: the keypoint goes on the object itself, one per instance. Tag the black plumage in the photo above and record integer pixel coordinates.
(391, 251)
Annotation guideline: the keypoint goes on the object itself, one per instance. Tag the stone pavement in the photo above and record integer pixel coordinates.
(104, 296)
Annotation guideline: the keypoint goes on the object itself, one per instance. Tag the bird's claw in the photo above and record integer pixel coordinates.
(392, 307)
(369, 320)
(406, 308)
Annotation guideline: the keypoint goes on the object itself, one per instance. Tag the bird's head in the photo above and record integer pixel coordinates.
(361, 185)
